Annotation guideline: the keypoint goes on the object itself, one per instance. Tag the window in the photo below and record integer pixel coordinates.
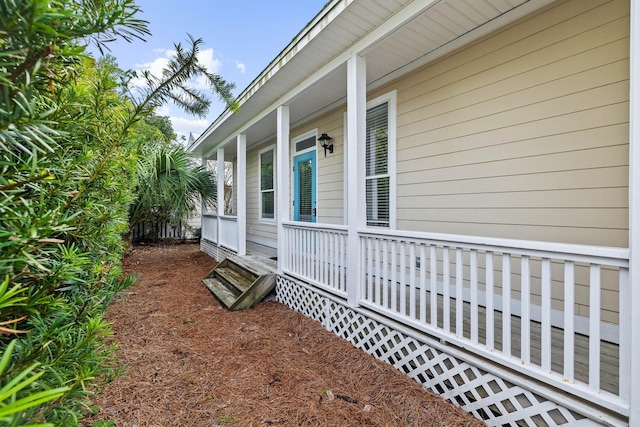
(267, 184)
(379, 152)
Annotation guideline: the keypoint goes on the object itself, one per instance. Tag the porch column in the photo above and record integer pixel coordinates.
(633, 349)
(283, 190)
(220, 187)
(203, 206)
(241, 191)
(356, 128)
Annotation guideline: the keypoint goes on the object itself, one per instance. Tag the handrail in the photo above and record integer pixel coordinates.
(315, 226)
(614, 256)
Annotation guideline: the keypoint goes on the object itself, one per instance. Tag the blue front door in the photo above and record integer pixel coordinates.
(304, 187)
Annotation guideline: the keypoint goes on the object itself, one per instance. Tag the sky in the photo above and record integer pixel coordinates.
(240, 38)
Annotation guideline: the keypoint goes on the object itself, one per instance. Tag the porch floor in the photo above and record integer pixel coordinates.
(261, 251)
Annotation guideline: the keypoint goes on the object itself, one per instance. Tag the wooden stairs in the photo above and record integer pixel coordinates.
(240, 283)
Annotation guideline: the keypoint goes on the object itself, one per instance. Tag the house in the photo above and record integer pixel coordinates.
(452, 186)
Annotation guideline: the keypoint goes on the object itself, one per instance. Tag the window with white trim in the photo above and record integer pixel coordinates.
(378, 165)
(266, 177)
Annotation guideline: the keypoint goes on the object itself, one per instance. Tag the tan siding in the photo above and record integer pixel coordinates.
(256, 228)
(523, 134)
(330, 169)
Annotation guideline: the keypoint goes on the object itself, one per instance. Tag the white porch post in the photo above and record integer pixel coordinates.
(203, 206)
(283, 190)
(356, 128)
(220, 187)
(241, 191)
(634, 219)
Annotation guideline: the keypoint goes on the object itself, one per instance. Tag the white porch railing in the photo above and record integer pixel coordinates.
(228, 232)
(538, 308)
(556, 313)
(210, 228)
(316, 254)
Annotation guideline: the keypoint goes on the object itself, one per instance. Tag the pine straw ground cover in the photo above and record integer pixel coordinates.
(189, 362)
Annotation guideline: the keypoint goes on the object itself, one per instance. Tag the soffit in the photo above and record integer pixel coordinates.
(413, 42)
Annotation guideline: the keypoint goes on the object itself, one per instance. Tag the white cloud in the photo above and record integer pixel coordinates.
(206, 57)
(211, 63)
(182, 126)
(154, 67)
(240, 66)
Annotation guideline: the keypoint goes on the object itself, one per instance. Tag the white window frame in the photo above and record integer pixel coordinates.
(391, 99)
(312, 133)
(260, 190)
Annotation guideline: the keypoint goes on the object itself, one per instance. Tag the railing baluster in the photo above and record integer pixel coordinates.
(569, 334)
(362, 267)
(323, 260)
(393, 278)
(343, 262)
(289, 250)
(336, 260)
(506, 304)
(433, 287)
(309, 252)
(423, 284)
(446, 282)
(594, 327)
(412, 280)
(402, 279)
(489, 288)
(545, 325)
(305, 253)
(525, 299)
(378, 283)
(459, 294)
(301, 252)
(369, 271)
(385, 275)
(294, 252)
(299, 246)
(339, 263)
(474, 295)
(316, 261)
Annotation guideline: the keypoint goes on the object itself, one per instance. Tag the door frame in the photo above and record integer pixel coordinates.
(297, 157)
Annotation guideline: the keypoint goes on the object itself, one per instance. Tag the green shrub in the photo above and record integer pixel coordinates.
(70, 143)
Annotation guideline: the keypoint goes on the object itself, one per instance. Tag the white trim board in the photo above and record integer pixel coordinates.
(262, 241)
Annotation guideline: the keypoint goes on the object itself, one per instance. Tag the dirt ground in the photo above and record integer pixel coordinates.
(190, 362)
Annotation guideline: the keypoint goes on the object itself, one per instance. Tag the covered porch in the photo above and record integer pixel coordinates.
(519, 331)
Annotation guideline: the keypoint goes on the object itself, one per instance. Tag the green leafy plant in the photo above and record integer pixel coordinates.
(10, 406)
(72, 136)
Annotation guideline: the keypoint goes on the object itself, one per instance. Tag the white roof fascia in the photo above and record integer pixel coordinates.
(379, 32)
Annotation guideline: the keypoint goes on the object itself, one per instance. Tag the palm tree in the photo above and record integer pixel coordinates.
(170, 186)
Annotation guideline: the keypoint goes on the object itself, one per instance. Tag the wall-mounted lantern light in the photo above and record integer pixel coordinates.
(326, 142)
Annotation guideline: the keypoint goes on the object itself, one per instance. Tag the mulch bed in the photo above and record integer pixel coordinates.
(190, 362)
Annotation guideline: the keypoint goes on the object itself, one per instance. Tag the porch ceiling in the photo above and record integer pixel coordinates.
(296, 78)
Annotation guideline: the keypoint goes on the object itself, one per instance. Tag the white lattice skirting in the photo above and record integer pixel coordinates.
(216, 252)
(485, 395)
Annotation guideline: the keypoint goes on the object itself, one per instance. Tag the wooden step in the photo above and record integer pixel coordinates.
(240, 283)
(226, 296)
(234, 278)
